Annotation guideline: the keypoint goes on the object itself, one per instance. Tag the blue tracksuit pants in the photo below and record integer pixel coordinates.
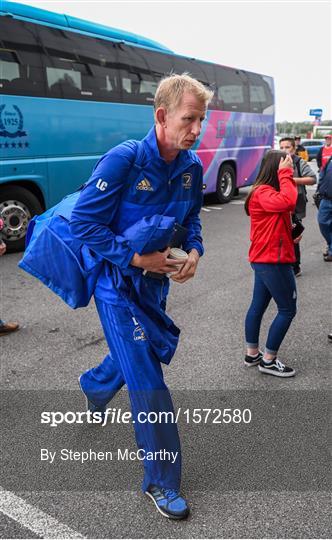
(131, 361)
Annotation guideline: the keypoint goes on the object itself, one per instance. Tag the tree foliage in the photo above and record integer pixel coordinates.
(298, 128)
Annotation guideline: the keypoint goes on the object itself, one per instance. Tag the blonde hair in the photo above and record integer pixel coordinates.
(170, 91)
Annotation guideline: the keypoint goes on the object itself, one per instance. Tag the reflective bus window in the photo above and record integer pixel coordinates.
(232, 90)
(202, 71)
(100, 81)
(232, 94)
(140, 73)
(260, 94)
(9, 67)
(20, 59)
(64, 75)
(80, 67)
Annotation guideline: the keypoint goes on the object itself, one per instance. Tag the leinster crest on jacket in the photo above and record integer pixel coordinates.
(187, 180)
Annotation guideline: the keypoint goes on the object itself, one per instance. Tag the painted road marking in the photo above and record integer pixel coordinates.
(205, 209)
(32, 518)
(214, 207)
(237, 202)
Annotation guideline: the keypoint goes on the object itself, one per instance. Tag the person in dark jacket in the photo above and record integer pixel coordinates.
(324, 216)
(324, 153)
(131, 304)
(270, 204)
(303, 176)
(299, 149)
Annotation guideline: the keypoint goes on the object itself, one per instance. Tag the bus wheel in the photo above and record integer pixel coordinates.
(226, 183)
(17, 207)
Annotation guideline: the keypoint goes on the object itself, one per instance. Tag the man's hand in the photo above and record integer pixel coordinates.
(188, 269)
(2, 248)
(297, 240)
(155, 262)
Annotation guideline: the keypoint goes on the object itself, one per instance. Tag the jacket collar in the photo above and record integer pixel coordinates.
(183, 160)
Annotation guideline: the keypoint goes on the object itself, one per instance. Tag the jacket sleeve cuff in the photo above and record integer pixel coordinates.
(127, 257)
(197, 246)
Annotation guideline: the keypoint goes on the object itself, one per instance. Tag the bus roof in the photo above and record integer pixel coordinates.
(66, 21)
(63, 21)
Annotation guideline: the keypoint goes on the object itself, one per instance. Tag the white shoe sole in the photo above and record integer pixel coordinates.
(86, 398)
(169, 516)
(249, 364)
(281, 374)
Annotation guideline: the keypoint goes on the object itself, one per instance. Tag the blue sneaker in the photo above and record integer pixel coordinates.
(92, 407)
(168, 502)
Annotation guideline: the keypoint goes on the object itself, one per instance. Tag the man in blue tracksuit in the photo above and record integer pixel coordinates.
(158, 176)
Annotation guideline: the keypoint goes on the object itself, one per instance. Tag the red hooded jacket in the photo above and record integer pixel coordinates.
(270, 221)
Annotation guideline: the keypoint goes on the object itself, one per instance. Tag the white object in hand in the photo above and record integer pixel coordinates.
(178, 255)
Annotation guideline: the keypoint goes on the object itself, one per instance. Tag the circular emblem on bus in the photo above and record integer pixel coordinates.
(11, 122)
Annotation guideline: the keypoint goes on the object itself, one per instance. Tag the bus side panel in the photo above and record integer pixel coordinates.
(241, 138)
(65, 138)
(81, 132)
(25, 172)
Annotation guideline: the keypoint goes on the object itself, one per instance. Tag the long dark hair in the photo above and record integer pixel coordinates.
(268, 173)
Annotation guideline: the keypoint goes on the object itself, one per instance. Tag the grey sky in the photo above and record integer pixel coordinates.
(289, 40)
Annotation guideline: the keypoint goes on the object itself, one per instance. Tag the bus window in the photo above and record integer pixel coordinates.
(202, 71)
(231, 89)
(20, 60)
(9, 67)
(138, 87)
(140, 72)
(59, 80)
(101, 81)
(80, 67)
(260, 94)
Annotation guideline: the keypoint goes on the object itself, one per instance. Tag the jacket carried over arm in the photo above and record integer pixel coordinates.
(270, 214)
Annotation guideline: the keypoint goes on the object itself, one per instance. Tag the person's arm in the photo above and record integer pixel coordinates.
(285, 199)
(308, 177)
(96, 208)
(98, 203)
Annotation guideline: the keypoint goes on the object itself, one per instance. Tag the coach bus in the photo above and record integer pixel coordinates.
(71, 89)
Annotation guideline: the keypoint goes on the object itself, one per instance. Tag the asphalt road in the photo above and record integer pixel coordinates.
(267, 478)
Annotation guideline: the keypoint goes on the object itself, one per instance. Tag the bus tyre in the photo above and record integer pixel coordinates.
(226, 184)
(17, 206)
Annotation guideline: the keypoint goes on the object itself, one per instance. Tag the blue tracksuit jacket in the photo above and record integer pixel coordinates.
(113, 200)
(116, 197)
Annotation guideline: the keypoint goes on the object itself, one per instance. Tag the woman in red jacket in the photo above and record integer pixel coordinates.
(270, 204)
